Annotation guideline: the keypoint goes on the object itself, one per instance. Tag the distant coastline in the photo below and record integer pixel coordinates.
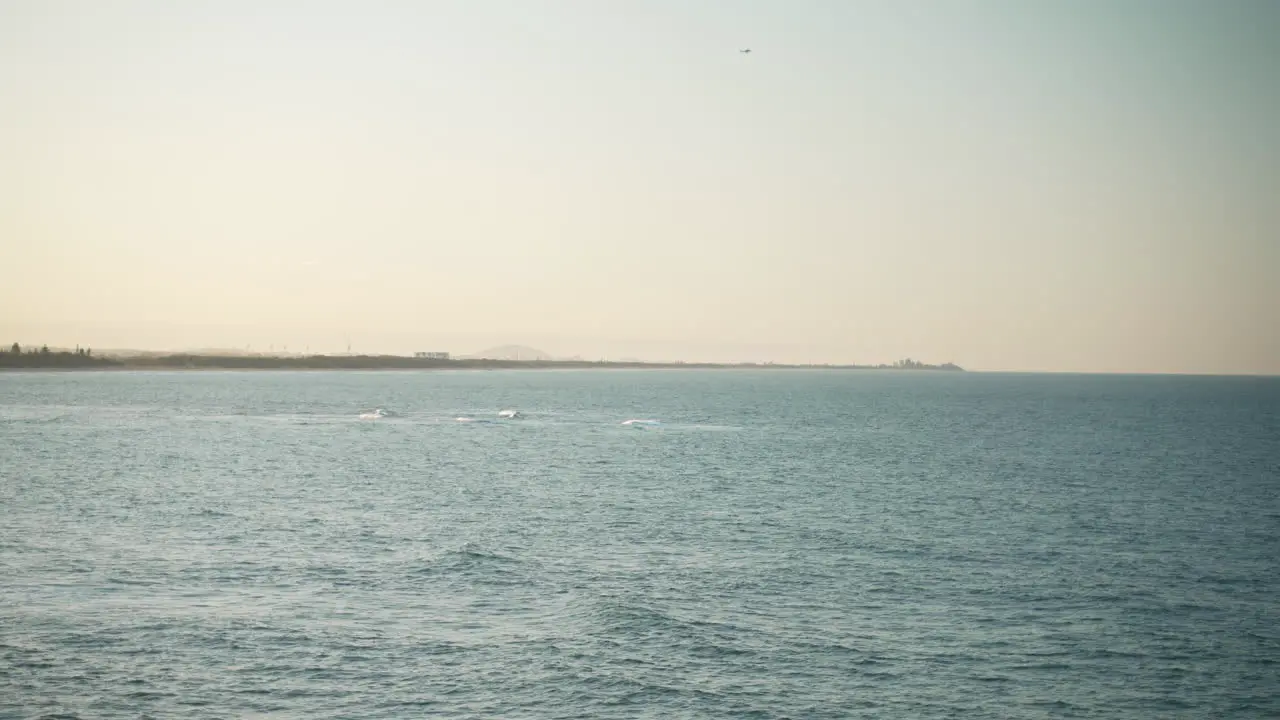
(45, 359)
(17, 357)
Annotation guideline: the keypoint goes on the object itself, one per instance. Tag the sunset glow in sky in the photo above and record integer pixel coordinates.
(1009, 184)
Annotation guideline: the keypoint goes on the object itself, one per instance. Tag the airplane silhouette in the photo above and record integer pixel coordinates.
(745, 51)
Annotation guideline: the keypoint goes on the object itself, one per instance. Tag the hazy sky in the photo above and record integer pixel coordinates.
(1075, 185)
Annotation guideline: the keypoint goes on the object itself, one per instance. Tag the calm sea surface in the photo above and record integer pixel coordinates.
(784, 544)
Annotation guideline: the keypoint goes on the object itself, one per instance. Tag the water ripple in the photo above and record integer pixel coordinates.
(783, 545)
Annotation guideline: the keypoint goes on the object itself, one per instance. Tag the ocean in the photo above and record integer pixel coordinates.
(779, 544)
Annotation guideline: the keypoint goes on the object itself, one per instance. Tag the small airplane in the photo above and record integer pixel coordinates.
(744, 51)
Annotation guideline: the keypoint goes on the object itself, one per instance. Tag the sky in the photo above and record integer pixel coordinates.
(1083, 186)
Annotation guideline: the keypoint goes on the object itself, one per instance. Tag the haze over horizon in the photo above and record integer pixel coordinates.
(1071, 186)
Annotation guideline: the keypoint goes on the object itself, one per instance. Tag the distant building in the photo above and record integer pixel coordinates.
(432, 355)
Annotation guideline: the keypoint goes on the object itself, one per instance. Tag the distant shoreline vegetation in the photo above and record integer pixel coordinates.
(17, 357)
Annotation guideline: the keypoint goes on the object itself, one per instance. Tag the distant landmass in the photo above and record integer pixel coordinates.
(507, 356)
(15, 356)
(521, 353)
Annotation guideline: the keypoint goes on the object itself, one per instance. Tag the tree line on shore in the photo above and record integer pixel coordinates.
(43, 357)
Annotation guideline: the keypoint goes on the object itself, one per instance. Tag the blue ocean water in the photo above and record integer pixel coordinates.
(784, 544)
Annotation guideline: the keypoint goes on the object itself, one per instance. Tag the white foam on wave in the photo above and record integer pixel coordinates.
(641, 424)
(711, 428)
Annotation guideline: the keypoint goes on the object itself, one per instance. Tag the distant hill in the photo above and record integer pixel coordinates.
(510, 352)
